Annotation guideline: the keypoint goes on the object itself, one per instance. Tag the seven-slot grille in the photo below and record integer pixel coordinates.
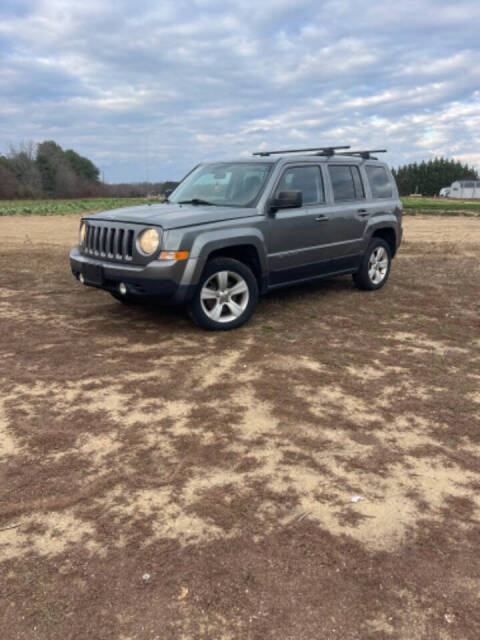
(106, 241)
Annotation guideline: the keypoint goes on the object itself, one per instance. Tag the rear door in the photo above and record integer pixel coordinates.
(350, 209)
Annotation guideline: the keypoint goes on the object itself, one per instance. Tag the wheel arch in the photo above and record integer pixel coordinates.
(247, 248)
(388, 234)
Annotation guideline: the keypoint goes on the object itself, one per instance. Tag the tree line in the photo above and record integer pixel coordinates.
(429, 177)
(47, 171)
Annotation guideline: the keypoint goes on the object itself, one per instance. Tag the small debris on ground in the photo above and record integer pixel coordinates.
(11, 526)
(183, 593)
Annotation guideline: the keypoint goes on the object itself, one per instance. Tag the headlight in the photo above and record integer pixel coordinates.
(81, 233)
(149, 241)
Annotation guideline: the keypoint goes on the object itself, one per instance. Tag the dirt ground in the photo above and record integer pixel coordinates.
(315, 474)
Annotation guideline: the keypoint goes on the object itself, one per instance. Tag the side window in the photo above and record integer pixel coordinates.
(308, 180)
(346, 182)
(379, 182)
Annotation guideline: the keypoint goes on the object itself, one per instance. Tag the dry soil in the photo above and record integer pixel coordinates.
(315, 474)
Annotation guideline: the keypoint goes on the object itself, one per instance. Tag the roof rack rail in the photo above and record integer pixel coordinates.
(365, 154)
(324, 151)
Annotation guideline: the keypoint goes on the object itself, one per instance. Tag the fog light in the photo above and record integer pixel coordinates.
(81, 278)
(122, 287)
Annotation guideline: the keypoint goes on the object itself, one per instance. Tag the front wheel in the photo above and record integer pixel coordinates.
(375, 267)
(226, 296)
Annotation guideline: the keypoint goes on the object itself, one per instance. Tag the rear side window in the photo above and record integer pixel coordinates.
(346, 182)
(308, 180)
(379, 182)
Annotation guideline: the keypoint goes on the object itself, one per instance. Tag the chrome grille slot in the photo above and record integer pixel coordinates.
(111, 244)
(103, 241)
(96, 238)
(121, 235)
(117, 247)
(130, 243)
(89, 244)
(108, 233)
(88, 234)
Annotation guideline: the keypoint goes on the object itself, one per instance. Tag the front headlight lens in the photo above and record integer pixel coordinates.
(149, 241)
(81, 233)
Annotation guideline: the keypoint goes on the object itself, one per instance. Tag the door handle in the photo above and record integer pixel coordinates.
(321, 219)
(363, 213)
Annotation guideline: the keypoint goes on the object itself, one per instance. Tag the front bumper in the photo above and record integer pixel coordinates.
(158, 279)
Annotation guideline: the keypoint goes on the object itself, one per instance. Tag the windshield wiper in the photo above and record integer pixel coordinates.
(197, 201)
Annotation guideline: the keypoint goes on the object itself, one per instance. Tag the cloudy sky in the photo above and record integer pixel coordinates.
(147, 89)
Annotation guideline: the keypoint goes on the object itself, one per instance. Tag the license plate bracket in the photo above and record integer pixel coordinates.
(93, 274)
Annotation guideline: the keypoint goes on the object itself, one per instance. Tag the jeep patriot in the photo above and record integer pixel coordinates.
(234, 230)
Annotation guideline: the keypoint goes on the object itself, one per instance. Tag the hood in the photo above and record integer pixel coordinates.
(173, 216)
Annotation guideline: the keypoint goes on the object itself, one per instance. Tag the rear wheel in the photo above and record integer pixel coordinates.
(226, 296)
(375, 267)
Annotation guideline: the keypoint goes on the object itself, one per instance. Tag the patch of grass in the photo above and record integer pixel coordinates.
(65, 207)
(445, 206)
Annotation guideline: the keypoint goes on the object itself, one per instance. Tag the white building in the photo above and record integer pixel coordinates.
(465, 189)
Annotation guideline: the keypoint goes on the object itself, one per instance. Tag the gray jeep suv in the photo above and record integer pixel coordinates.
(233, 230)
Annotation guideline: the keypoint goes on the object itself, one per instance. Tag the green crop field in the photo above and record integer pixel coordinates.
(412, 206)
(65, 207)
(440, 206)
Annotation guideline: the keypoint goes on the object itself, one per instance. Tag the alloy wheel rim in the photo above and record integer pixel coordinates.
(378, 265)
(224, 296)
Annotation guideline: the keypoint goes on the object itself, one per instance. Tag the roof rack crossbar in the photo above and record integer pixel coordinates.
(323, 151)
(365, 153)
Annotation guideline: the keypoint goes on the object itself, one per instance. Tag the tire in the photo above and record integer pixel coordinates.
(128, 299)
(375, 267)
(213, 306)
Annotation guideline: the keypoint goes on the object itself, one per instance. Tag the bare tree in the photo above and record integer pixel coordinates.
(9, 185)
(22, 163)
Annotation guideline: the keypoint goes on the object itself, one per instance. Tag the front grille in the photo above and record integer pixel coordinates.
(112, 242)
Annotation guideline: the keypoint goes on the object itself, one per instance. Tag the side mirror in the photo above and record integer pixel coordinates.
(287, 200)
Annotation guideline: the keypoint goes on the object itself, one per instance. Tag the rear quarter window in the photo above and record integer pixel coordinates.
(379, 180)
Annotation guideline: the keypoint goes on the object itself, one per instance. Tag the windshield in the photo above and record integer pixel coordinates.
(225, 184)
